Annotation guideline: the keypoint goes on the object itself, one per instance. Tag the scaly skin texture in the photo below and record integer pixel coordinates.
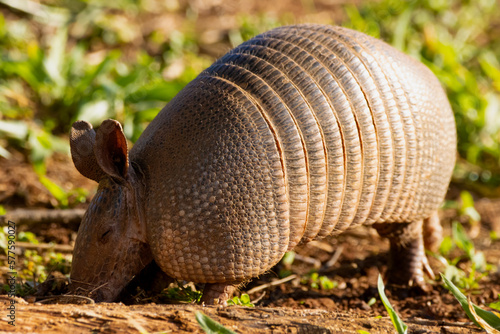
(301, 132)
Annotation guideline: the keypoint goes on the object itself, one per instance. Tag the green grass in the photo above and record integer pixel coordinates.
(484, 319)
(92, 68)
(316, 281)
(31, 267)
(211, 326)
(399, 325)
(463, 52)
(477, 267)
(183, 294)
(464, 265)
(243, 300)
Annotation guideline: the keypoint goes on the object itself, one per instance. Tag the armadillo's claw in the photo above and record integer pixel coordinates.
(427, 268)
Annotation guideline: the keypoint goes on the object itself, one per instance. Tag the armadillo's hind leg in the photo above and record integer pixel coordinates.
(217, 293)
(407, 256)
(433, 232)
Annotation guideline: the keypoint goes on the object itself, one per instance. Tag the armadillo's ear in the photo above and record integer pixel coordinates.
(82, 141)
(111, 149)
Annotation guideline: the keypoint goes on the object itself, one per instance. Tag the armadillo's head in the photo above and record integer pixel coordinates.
(111, 245)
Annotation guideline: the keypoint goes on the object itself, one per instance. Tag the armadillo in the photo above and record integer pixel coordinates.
(299, 133)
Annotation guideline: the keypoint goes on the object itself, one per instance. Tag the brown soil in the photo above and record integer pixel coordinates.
(291, 307)
(116, 318)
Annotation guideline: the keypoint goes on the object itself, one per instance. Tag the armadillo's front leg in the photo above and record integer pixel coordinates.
(407, 256)
(217, 293)
(151, 279)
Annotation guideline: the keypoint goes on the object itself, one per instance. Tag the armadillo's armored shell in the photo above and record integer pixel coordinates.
(300, 132)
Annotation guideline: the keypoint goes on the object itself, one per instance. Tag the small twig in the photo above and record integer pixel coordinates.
(46, 14)
(90, 300)
(306, 259)
(268, 285)
(19, 300)
(335, 257)
(258, 299)
(68, 217)
(322, 245)
(44, 246)
(97, 288)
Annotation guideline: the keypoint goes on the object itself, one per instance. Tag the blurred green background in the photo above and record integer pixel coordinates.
(63, 60)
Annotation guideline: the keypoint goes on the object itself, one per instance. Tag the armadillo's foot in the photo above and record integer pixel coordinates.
(407, 261)
(217, 293)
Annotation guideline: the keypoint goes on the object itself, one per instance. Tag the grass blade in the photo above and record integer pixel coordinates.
(484, 324)
(473, 311)
(211, 326)
(400, 326)
(460, 297)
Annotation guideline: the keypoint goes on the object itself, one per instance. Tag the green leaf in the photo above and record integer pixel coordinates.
(400, 326)
(487, 316)
(462, 240)
(326, 283)
(495, 305)
(288, 258)
(243, 300)
(89, 77)
(160, 91)
(14, 129)
(94, 111)
(45, 14)
(491, 318)
(467, 207)
(28, 237)
(59, 193)
(184, 294)
(3, 240)
(2, 26)
(28, 71)
(446, 246)
(56, 191)
(401, 29)
(211, 326)
(467, 200)
(4, 153)
(454, 274)
(54, 62)
(234, 301)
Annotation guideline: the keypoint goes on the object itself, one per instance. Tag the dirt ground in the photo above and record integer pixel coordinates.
(291, 307)
(116, 318)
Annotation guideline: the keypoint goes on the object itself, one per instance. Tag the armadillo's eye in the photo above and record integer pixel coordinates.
(105, 236)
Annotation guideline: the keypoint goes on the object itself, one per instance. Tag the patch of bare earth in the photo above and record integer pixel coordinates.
(117, 318)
